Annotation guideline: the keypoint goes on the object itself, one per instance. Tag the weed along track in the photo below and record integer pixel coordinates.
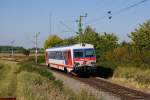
(122, 92)
(8, 79)
(26, 81)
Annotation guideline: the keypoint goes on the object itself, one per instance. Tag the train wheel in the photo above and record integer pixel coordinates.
(48, 65)
(65, 70)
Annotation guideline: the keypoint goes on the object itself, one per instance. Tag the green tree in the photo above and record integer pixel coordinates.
(141, 36)
(107, 42)
(70, 41)
(105, 46)
(141, 41)
(52, 41)
(90, 36)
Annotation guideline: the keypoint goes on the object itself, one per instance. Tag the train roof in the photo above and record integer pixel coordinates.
(75, 46)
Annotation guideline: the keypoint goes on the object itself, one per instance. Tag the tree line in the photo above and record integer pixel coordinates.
(109, 51)
(19, 49)
(7, 49)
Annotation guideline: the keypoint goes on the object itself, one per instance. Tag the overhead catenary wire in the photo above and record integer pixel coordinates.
(69, 28)
(129, 7)
(117, 12)
(67, 34)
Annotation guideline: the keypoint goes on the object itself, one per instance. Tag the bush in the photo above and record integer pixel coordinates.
(41, 59)
(26, 52)
(28, 66)
(131, 73)
(32, 86)
(125, 55)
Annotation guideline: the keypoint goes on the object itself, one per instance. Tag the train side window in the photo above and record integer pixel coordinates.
(60, 55)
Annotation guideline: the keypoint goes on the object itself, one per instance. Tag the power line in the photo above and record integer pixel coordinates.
(63, 32)
(95, 20)
(109, 15)
(69, 28)
(129, 7)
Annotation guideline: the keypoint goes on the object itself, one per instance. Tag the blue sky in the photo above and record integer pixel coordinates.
(20, 19)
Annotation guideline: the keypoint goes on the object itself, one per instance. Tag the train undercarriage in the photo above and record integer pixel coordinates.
(84, 70)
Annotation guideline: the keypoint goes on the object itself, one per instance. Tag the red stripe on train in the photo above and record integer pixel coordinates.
(84, 59)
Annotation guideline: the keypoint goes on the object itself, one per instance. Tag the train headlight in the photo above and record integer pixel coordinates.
(93, 63)
(76, 63)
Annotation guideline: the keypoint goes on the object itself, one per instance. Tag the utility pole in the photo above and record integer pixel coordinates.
(80, 30)
(12, 50)
(36, 51)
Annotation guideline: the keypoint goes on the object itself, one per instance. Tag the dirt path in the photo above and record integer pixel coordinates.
(8, 79)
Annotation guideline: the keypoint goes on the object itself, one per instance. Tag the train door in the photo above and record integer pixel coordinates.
(68, 57)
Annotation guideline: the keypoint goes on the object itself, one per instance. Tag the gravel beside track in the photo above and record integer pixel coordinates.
(76, 85)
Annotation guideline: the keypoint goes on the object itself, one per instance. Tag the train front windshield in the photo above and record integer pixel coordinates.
(84, 53)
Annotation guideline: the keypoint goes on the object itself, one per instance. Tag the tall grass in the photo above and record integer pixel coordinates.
(37, 83)
(8, 79)
(1, 66)
(80, 95)
(32, 86)
(136, 74)
(30, 67)
(27, 81)
(41, 58)
(141, 76)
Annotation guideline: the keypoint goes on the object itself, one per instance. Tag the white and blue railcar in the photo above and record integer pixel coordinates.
(71, 58)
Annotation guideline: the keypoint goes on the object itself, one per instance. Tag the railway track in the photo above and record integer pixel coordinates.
(122, 92)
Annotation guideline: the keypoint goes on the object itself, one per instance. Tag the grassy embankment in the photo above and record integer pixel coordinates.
(133, 77)
(8, 80)
(26, 81)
